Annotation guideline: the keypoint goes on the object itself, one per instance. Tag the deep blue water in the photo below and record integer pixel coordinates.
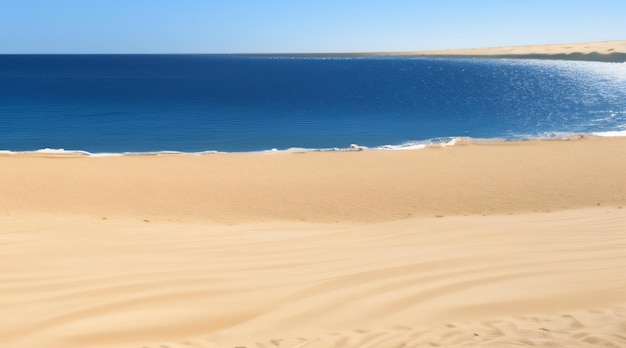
(190, 103)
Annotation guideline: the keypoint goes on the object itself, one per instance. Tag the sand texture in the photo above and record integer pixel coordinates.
(612, 51)
(498, 281)
(474, 245)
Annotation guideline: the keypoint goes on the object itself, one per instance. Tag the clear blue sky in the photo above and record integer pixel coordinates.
(240, 26)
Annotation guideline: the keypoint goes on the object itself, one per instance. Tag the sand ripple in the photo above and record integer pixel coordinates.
(543, 279)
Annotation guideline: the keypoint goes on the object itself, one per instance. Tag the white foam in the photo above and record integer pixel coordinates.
(621, 133)
(355, 147)
(48, 151)
(352, 147)
(405, 146)
(62, 152)
(452, 142)
(306, 149)
(421, 144)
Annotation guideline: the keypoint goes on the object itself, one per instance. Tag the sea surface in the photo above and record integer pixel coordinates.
(235, 103)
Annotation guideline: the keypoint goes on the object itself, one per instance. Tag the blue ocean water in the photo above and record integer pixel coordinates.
(195, 103)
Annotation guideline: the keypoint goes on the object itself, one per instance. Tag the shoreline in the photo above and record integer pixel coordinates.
(410, 145)
(470, 178)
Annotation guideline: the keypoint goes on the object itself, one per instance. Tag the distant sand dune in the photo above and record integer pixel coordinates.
(603, 51)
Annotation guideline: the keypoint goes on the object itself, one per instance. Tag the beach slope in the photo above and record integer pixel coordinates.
(477, 244)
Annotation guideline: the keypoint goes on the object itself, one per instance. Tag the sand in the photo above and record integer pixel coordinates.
(480, 245)
(322, 187)
(612, 51)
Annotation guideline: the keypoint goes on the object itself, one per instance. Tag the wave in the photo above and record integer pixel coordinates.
(64, 152)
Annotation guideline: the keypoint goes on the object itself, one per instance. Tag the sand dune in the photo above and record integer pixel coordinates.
(601, 50)
(317, 249)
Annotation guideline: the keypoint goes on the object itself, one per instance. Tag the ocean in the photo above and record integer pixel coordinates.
(106, 104)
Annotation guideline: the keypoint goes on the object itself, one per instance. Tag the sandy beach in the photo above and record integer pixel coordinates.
(477, 244)
(492, 244)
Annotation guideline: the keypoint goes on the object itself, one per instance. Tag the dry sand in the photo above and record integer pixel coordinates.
(343, 249)
(603, 51)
